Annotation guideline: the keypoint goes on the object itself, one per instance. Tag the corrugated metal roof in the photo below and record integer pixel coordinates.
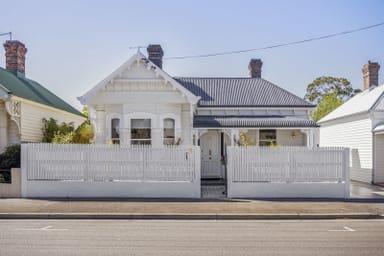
(31, 90)
(362, 102)
(251, 121)
(240, 92)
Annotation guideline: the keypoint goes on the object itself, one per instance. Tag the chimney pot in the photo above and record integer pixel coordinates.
(371, 74)
(155, 54)
(255, 68)
(15, 56)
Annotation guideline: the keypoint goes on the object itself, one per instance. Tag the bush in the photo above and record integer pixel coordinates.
(11, 157)
(5, 176)
(65, 133)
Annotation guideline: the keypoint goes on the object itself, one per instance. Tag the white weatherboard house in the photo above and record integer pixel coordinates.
(359, 125)
(139, 103)
(24, 102)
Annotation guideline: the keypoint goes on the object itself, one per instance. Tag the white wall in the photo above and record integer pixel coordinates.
(354, 133)
(284, 138)
(138, 93)
(3, 127)
(379, 158)
(32, 115)
(287, 190)
(52, 170)
(255, 172)
(73, 189)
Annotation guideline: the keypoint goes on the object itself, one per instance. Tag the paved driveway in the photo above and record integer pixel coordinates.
(366, 191)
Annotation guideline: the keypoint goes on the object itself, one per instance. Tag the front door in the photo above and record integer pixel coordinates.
(210, 155)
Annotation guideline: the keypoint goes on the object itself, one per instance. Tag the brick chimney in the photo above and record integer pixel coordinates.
(371, 74)
(15, 56)
(255, 68)
(155, 54)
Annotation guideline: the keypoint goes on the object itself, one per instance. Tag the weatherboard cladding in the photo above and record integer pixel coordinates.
(250, 121)
(28, 89)
(240, 92)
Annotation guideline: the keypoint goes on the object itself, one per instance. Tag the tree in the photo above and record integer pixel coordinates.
(84, 133)
(324, 85)
(328, 103)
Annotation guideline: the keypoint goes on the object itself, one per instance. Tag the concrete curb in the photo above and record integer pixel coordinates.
(298, 216)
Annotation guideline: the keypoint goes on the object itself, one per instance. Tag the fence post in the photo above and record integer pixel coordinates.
(230, 161)
(346, 170)
(292, 169)
(197, 169)
(24, 169)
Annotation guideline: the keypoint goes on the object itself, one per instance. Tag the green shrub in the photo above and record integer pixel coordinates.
(11, 157)
(65, 133)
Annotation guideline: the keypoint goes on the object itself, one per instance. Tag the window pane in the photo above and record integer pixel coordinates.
(140, 123)
(115, 128)
(140, 131)
(140, 134)
(169, 131)
(267, 137)
(169, 123)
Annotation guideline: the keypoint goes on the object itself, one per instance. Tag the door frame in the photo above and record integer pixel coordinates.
(223, 137)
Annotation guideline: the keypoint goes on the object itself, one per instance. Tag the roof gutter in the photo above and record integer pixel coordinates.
(5, 94)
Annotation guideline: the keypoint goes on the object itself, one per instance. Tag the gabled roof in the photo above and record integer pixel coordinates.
(251, 122)
(138, 58)
(240, 92)
(360, 103)
(31, 90)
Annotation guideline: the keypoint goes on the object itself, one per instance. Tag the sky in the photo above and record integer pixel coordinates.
(73, 45)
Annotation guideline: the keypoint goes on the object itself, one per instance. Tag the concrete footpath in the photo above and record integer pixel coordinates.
(188, 209)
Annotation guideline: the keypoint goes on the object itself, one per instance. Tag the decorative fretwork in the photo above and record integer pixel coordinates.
(14, 110)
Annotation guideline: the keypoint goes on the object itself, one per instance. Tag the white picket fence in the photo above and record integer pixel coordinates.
(138, 170)
(287, 172)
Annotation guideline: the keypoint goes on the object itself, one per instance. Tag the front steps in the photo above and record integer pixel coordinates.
(213, 189)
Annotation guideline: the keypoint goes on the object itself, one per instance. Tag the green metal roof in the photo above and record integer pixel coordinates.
(19, 85)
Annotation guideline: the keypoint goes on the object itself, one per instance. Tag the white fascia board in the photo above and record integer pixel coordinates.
(84, 99)
(43, 106)
(379, 99)
(343, 117)
(379, 129)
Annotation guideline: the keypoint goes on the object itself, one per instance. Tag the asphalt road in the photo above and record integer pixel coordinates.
(182, 237)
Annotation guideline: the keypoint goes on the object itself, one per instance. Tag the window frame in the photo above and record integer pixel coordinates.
(169, 140)
(266, 141)
(141, 141)
(117, 139)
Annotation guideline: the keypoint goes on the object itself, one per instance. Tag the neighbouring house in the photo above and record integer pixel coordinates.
(141, 104)
(24, 102)
(359, 125)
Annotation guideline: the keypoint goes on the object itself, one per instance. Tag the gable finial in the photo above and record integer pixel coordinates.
(138, 47)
